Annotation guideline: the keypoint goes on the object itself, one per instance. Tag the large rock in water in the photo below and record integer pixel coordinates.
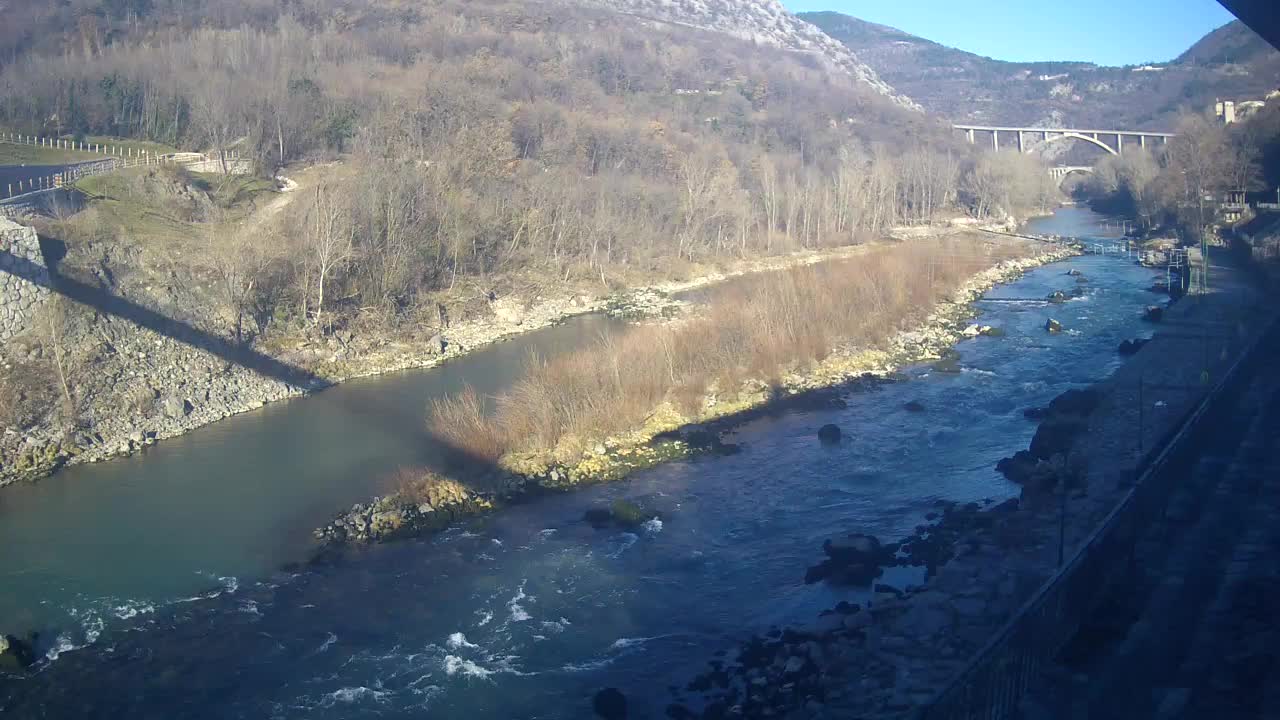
(1131, 347)
(1052, 326)
(620, 513)
(851, 560)
(610, 704)
(829, 434)
(15, 655)
(1153, 313)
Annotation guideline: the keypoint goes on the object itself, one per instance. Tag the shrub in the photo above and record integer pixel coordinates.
(754, 329)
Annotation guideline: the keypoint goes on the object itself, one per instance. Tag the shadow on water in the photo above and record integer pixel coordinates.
(449, 460)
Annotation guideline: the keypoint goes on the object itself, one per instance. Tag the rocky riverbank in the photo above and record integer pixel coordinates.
(669, 435)
(145, 386)
(888, 657)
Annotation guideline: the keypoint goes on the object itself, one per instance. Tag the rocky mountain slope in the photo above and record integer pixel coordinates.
(762, 21)
(1231, 62)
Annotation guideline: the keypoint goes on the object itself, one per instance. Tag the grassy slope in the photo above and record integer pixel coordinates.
(117, 202)
(16, 154)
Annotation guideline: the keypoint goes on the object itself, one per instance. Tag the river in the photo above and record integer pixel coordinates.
(157, 581)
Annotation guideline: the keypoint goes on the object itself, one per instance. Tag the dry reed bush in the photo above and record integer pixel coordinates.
(468, 429)
(753, 330)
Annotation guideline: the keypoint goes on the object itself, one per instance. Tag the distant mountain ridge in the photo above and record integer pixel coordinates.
(763, 21)
(1231, 62)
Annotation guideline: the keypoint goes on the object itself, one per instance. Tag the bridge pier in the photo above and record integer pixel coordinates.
(1020, 146)
(995, 140)
(1119, 144)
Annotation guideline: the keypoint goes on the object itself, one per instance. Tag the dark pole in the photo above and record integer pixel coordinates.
(1062, 517)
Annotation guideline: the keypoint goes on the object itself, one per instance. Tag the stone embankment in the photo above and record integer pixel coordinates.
(887, 658)
(395, 516)
(20, 297)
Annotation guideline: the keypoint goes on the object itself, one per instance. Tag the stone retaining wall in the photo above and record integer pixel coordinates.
(20, 298)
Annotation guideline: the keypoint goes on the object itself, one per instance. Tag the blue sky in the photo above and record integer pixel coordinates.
(1107, 32)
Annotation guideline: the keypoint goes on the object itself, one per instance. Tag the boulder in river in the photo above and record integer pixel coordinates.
(610, 704)
(829, 434)
(1074, 272)
(15, 655)
(852, 560)
(1153, 313)
(949, 364)
(1052, 326)
(913, 406)
(620, 513)
(598, 517)
(1130, 347)
(1057, 296)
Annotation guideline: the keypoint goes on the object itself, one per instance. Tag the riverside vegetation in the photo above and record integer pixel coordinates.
(466, 170)
(654, 392)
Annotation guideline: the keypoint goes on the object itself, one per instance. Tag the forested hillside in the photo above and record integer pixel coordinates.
(483, 137)
(1231, 62)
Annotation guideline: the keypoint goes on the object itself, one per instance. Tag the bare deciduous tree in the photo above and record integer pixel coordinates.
(328, 239)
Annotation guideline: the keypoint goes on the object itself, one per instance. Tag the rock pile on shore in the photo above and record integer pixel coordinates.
(801, 672)
(430, 507)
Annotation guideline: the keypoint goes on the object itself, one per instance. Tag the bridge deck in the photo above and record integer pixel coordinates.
(993, 128)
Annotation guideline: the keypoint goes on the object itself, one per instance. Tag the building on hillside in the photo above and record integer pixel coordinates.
(1229, 111)
(1225, 111)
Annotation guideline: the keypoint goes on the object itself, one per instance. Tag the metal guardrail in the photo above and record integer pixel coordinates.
(992, 683)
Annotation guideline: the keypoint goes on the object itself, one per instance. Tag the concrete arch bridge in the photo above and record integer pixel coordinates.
(1031, 139)
(1026, 137)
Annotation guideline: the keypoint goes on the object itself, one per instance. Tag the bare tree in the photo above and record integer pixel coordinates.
(1197, 157)
(328, 237)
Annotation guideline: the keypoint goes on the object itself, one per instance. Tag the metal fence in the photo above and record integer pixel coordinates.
(73, 173)
(991, 685)
(119, 158)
